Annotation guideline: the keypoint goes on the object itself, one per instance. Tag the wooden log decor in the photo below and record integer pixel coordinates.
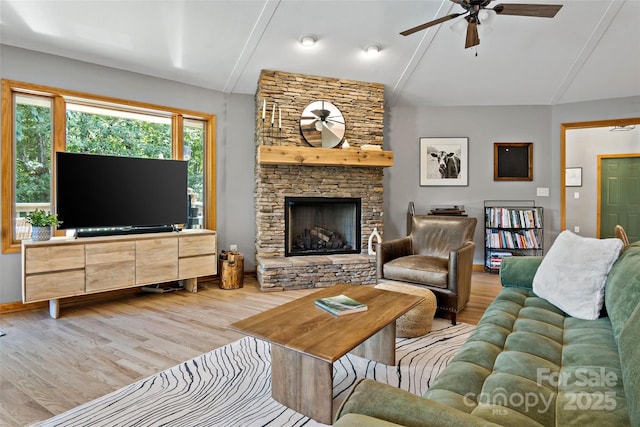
(231, 270)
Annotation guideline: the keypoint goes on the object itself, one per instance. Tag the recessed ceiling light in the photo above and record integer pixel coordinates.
(308, 40)
(373, 50)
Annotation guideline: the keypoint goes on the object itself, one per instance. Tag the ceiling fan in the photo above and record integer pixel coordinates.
(474, 7)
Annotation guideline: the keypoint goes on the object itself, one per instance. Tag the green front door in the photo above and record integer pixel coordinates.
(620, 195)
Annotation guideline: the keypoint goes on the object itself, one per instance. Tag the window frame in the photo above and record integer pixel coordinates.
(59, 98)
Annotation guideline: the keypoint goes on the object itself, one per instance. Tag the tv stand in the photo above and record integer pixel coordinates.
(65, 267)
(119, 231)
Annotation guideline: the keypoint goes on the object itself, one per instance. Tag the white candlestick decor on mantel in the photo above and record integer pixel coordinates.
(273, 113)
(264, 108)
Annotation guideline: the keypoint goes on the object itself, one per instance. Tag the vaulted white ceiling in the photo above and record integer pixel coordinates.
(589, 51)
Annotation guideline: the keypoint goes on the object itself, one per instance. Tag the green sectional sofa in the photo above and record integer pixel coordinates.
(528, 363)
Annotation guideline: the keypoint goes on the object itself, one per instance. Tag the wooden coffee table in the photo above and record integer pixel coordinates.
(306, 341)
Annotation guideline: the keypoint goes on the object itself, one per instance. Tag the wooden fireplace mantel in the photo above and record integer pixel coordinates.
(310, 156)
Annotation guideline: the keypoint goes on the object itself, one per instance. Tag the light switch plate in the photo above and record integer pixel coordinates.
(543, 192)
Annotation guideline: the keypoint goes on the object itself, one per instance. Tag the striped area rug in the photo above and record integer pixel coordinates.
(230, 386)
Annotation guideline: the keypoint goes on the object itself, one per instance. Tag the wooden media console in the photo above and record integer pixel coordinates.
(65, 267)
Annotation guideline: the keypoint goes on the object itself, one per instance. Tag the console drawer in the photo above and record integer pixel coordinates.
(53, 258)
(156, 260)
(110, 266)
(197, 266)
(197, 245)
(45, 286)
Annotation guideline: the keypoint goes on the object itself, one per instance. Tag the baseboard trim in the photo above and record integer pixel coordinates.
(478, 267)
(10, 307)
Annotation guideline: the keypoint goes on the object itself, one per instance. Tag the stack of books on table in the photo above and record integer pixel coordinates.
(340, 304)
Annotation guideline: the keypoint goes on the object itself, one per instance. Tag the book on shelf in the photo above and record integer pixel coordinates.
(513, 217)
(522, 239)
(495, 259)
(340, 304)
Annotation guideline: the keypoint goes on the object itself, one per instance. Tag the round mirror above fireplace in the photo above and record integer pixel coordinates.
(322, 124)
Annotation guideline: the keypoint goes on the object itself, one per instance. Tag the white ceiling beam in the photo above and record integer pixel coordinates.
(264, 18)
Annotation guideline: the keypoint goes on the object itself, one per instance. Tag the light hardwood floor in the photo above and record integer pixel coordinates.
(48, 366)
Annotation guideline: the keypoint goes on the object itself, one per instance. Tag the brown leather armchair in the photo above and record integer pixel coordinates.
(437, 254)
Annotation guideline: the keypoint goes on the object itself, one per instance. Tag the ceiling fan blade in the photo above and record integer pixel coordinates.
(521, 9)
(472, 34)
(430, 24)
(463, 3)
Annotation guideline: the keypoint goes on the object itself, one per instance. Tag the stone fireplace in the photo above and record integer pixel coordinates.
(321, 225)
(288, 169)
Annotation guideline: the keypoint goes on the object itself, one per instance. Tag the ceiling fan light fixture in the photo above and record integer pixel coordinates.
(308, 40)
(459, 27)
(372, 50)
(487, 17)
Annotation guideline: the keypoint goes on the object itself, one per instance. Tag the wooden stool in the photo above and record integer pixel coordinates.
(231, 270)
(417, 321)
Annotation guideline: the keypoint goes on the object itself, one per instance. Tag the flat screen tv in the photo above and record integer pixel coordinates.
(96, 191)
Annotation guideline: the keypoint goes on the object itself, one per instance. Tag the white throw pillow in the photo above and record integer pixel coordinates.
(573, 273)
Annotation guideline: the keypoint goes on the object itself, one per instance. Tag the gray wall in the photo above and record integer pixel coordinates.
(404, 126)
(483, 126)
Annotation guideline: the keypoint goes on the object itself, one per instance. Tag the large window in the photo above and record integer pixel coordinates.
(99, 130)
(193, 151)
(44, 120)
(32, 159)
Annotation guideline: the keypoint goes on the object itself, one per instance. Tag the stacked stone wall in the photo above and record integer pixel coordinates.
(361, 104)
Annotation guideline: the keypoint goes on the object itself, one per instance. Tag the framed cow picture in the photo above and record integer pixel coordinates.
(444, 162)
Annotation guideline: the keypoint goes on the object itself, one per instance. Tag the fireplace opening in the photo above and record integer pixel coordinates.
(321, 225)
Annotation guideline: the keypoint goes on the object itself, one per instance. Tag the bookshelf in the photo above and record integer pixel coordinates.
(512, 228)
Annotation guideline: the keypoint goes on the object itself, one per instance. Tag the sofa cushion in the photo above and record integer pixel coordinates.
(572, 274)
(589, 386)
(630, 362)
(359, 420)
(385, 402)
(622, 292)
(533, 364)
(421, 269)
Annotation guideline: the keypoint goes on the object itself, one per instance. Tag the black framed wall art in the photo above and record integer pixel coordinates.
(513, 161)
(444, 161)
